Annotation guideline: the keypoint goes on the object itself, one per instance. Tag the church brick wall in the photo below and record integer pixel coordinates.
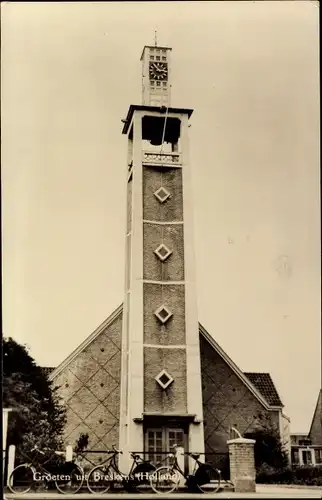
(227, 402)
(173, 399)
(90, 388)
(171, 179)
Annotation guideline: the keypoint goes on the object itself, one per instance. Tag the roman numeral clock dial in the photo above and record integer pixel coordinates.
(158, 71)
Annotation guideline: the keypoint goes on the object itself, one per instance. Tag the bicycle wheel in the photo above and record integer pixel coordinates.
(207, 478)
(100, 479)
(21, 479)
(140, 481)
(164, 480)
(70, 478)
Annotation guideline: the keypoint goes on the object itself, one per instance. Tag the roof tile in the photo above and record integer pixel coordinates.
(265, 385)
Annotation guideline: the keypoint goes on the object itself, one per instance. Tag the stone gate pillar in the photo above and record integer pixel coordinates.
(242, 464)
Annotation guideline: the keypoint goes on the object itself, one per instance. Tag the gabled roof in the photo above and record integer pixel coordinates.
(265, 385)
(317, 415)
(86, 342)
(253, 389)
(259, 384)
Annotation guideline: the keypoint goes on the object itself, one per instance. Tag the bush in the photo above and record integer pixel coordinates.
(308, 475)
(268, 447)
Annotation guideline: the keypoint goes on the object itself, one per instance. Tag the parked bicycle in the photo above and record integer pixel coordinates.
(66, 477)
(205, 478)
(107, 475)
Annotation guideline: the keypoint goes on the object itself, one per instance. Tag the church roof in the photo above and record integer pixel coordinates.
(256, 391)
(86, 342)
(260, 384)
(264, 383)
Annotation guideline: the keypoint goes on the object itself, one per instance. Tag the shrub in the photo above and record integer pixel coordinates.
(268, 447)
(308, 475)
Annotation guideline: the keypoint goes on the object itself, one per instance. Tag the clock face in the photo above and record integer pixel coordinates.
(158, 71)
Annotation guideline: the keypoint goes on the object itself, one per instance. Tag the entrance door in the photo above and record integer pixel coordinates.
(160, 441)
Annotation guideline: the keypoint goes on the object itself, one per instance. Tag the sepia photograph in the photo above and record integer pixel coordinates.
(161, 252)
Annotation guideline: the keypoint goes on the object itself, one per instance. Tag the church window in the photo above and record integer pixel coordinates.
(158, 84)
(162, 252)
(152, 58)
(163, 314)
(157, 58)
(164, 58)
(164, 379)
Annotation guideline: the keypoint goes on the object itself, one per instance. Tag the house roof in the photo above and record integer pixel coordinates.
(317, 415)
(48, 369)
(264, 383)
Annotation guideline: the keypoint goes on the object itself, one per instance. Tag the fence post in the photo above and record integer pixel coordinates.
(5, 417)
(180, 458)
(69, 453)
(242, 464)
(11, 461)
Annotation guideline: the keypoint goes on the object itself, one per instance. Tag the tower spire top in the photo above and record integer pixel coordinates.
(155, 38)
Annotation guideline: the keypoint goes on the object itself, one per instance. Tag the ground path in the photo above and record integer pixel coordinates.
(262, 491)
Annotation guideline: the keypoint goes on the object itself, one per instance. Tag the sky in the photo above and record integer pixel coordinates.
(250, 72)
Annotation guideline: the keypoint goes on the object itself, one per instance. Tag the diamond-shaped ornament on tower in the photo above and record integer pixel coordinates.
(162, 252)
(162, 194)
(163, 314)
(164, 379)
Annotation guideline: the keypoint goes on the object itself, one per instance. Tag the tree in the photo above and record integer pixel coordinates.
(38, 418)
(268, 448)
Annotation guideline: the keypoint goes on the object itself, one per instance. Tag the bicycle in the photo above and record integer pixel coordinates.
(102, 477)
(204, 479)
(67, 477)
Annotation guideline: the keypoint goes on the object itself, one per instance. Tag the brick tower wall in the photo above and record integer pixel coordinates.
(155, 294)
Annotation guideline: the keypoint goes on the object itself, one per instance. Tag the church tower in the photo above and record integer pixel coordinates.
(161, 393)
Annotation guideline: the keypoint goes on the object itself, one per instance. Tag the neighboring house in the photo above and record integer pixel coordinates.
(89, 384)
(306, 449)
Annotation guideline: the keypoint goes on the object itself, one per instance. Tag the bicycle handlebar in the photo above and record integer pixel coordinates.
(115, 450)
(35, 448)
